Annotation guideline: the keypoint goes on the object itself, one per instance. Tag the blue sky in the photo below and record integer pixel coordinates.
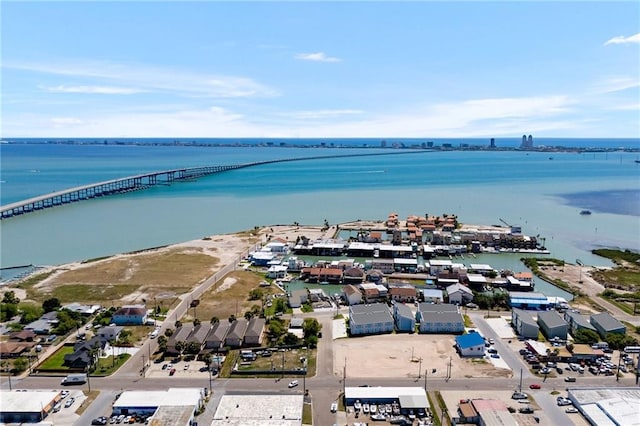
(320, 69)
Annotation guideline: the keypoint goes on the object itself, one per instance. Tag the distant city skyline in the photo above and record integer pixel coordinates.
(320, 69)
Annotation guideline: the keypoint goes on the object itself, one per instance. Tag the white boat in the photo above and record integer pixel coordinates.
(373, 408)
(356, 405)
(365, 408)
(378, 417)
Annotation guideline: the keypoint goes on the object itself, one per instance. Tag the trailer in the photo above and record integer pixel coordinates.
(74, 379)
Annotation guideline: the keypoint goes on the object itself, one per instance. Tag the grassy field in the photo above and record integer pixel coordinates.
(109, 365)
(625, 276)
(233, 299)
(291, 361)
(55, 361)
(161, 275)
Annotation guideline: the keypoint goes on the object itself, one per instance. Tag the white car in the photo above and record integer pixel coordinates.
(293, 383)
(334, 407)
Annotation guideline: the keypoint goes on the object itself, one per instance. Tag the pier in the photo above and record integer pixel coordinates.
(143, 181)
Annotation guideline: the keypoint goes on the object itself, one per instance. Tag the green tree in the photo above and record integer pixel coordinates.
(275, 329)
(10, 297)
(312, 341)
(619, 341)
(311, 327)
(215, 320)
(192, 348)
(51, 304)
(248, 315)
(180, 347)
(177, 324)
(125, 337)
(280, 304)
(20, 365)
(168, 332)
(29, 312)
(232, 318)
(196, 322)
(67, 321)
(256, 294)
(586, 336)
(8, 311)
(290, 339)
(162, 343)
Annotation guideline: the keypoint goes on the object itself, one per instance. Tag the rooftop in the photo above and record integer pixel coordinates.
(259, 410)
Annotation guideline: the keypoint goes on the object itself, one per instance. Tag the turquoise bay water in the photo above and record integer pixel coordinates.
(528, 189)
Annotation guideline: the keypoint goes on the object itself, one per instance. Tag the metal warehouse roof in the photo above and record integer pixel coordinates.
(259, 410)
(154, 399)
(26, 402)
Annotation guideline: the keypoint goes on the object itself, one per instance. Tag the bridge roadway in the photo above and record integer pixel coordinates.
(147, 180)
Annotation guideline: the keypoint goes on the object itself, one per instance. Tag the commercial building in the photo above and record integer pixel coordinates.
(147, 402)
(524, 324)
(259, 410)
(408, 398)
(604, 323)
(528, 300)
(439, 318)
(552, 325)
(26, 407)
(370, 319)
(603, 406)
(470, 345)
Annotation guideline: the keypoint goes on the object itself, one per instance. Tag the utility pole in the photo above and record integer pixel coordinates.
(283, 365)
(419, 367)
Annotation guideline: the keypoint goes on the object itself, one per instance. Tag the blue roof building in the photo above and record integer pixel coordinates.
(471, 344)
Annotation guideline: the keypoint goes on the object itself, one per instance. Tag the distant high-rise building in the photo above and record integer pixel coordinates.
(527, 142)
(492, 143)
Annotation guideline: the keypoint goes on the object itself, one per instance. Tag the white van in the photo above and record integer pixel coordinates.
(154, 334)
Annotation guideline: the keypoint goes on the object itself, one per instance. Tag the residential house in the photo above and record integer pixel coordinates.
(477, 281)
(604, 323)
(353, 276)
(552, 325)
(180, 335)
(23, 336)
(235, 336)
(370, 292)
(370, 319)
(383, 265)
(459, 294)
(110, 333)
(40, 326)
(403, 317)
(577, 322)
(440, 318)
(261, 258)
(85, 310)
(298, 297)
(216, 336)
(432, 295)
(199, 334)
(130, 315)
(524, 324)
(253, 335)
(15, 349)
(81, 357)
(352, 294)
(402, 292)
(277, 271)
(470, 345)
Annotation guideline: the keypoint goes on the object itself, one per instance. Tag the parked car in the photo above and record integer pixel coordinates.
(334, 407)
(562, 401)
(519, 395)
(172, 371)
(100, 421)
(64, 394)
(526, 410)
(186, 367)
(293, 383)
(57, 407)
(69, 402)
(571, 410)
(558, 370)
(534, 386)
(495, 356)
(570, 379)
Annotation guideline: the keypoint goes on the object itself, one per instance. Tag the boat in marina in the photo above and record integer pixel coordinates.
(365, 408)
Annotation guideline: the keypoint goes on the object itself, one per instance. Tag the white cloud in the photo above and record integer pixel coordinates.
(623, 40)
(93, 90)
(65, 121)
(323, 113)
(317, 57)
(617, 84)
(149, 78)
(627, 107)
(471, 118)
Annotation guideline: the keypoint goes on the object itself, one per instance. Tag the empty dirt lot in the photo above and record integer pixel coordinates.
(397, 355)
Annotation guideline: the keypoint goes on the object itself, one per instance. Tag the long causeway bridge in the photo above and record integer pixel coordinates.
(142, 181)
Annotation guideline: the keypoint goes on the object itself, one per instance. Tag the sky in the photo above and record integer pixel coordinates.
(320, 69)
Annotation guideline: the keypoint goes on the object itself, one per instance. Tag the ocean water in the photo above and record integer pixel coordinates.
(542, 192)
